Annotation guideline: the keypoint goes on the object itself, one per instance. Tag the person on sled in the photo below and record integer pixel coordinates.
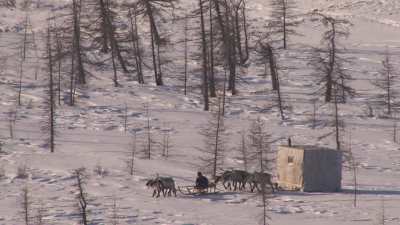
(201, 183)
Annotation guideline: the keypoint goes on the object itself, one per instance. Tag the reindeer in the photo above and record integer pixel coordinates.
(259, 178)
(235, 178)
(166, 185)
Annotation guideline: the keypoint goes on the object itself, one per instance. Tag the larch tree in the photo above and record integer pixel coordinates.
(260, 145)
(386, 82)
(150, 9)
(49, 124)
(82, 196)
(214, 134)
(268, 55)
(328, 62)
(205, 88)
(135, 41)
(283, 21)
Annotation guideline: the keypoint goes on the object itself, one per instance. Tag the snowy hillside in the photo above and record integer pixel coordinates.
(98, 132)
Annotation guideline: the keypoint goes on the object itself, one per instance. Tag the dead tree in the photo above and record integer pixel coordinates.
(135, 40)
(166, 142)
(204, 58)
(240, 29)
(386, 82)
(150, 8)
(243, 149)
(148, 143)
(186, 56)
(227, 38)
(21, 75)
(265, 203)
(130, 162)
(211, 57)
(109, 34)
(260, 145)
(49, 124)
(328, 61)
(26, 205)
(352, 164)
(268, 55)
(125, 118)
(214, 134)
(77, 50)
(114, 215)
(12, 118)
(40, 214)
(246, 33)
(338, 123)
(82, 198)
(283, 21)
(58, 59)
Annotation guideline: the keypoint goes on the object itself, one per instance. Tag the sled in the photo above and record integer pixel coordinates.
(192, 190)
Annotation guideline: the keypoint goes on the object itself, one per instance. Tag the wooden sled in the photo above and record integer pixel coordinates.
(192, 190)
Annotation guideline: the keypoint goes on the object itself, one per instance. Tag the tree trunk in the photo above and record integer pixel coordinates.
(212, 77)
(204, 58)
(77, 39)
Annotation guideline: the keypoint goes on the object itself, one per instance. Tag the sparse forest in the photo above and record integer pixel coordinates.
(107, 103)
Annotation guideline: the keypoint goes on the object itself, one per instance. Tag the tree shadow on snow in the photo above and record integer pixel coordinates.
(372, 192)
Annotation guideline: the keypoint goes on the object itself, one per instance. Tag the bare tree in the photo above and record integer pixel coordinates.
(240, 29)
(26, 205)
(227, 37)
(82, 198)
(260, 145)
(149, 141)
(166, 142)
(49, 125)
(150, 9)
(214, 134)
(244, 151)
(135, 40)
(125, 116)
(130, 162)
(114, 213)
(77, 42)
(21, 75)
(268, 53)
(186, 56)
(328, 62)
(40, 214)
(352, 165)
(264, 201)
(12, 118)
(386, 81)
(283, 21)
(211, 83)
(204, 57)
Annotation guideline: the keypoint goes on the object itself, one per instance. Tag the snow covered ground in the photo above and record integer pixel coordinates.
(92, 133)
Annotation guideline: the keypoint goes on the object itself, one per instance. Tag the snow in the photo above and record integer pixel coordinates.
(92, 134)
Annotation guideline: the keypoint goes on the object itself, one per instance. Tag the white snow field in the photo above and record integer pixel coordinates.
(92, 134)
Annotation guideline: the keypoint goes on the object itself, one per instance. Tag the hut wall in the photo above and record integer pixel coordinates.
(322, 170)
(290, 167)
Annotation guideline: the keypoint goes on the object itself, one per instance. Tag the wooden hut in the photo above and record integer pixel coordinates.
(309, 168)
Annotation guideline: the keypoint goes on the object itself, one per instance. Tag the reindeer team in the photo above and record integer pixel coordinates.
(232, 179)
